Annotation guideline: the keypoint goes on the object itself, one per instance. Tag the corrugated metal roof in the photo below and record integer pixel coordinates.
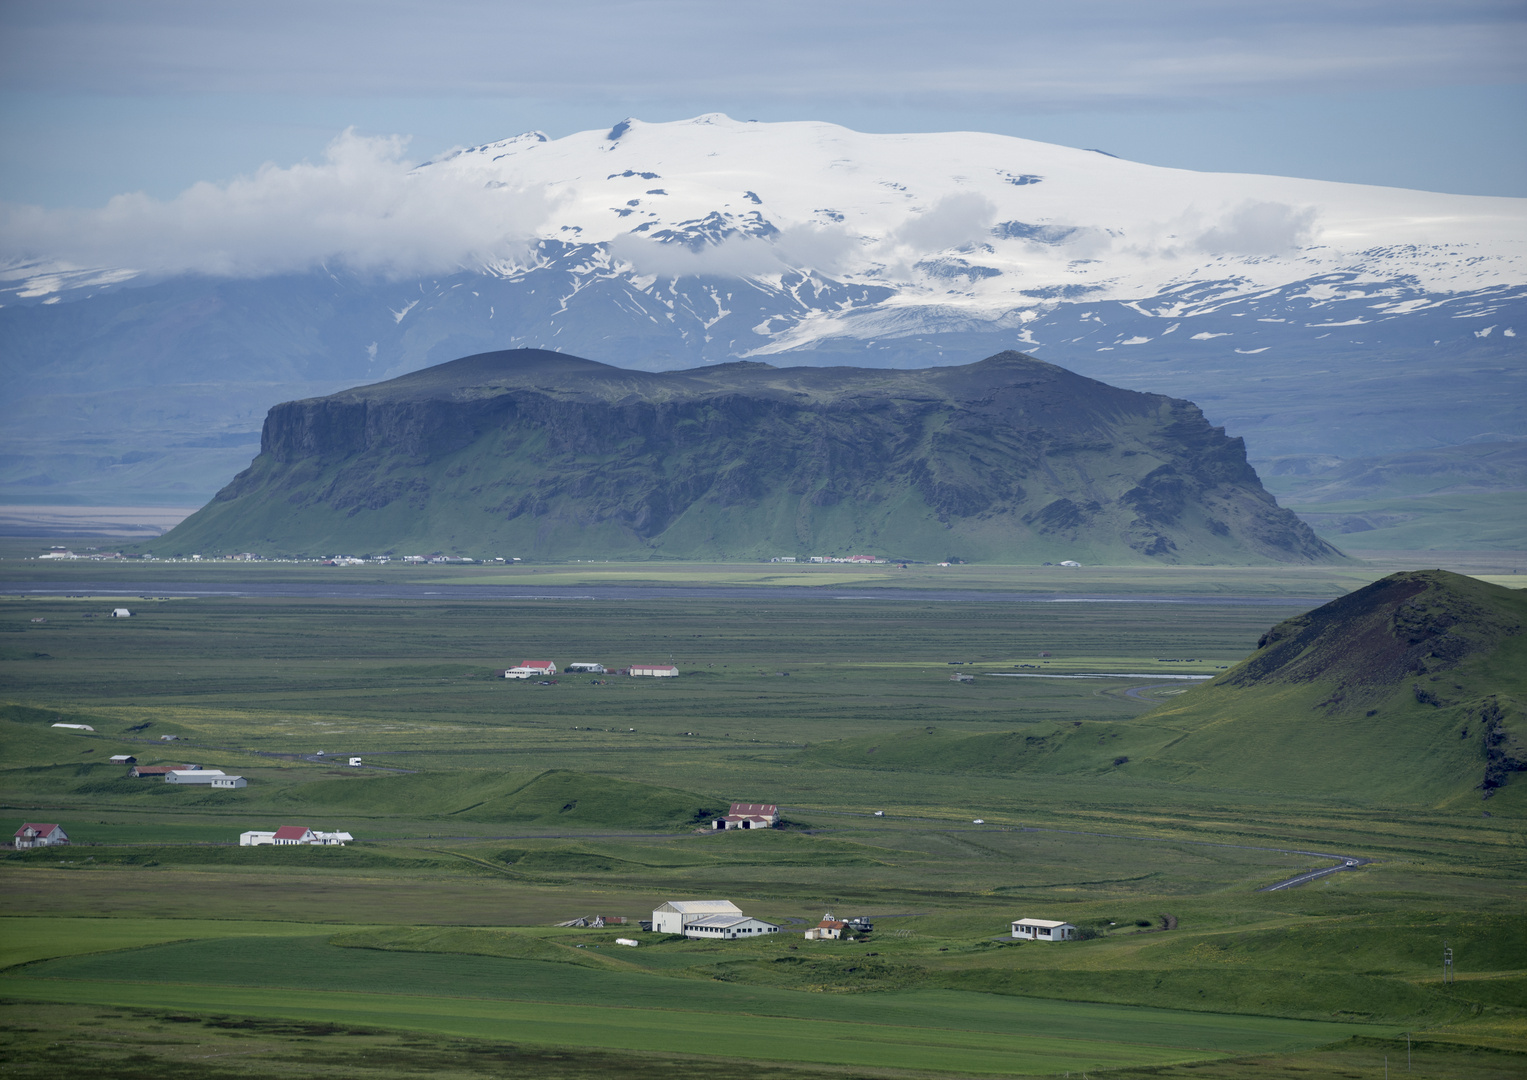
(701, 907)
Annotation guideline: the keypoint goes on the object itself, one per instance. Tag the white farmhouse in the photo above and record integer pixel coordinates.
(1043, 930)
(39, 834)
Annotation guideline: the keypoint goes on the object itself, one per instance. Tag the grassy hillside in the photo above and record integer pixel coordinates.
(1410, 691)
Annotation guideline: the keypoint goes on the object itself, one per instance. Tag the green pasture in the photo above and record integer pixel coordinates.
(489, 810)
(557, 1003)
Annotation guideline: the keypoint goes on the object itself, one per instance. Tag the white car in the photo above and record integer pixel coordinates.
(979, 821)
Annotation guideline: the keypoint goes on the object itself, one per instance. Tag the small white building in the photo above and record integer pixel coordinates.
(673, 916)
(1043, 930)
(121, 613)
(586, 669)
(193, 776)
(355, 763)
(660, 671)
(256, 839)
(331, 839)
(123, 759)
(229, 782)
(40, 834)
(75, 727)
(727, 928)
(749, 816)
(520, 673)
(541, 667)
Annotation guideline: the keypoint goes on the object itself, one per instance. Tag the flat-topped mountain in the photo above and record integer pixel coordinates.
(534, 453)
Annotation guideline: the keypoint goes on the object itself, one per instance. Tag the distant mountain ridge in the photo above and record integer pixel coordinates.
(1280, 305)
(529, 452)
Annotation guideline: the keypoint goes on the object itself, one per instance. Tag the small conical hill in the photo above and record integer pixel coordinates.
(1410, 689)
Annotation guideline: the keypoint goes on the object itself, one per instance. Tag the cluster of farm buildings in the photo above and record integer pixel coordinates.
(36, 834)
(722, 920)
(215, 779)
(289, 835)
(545, 669)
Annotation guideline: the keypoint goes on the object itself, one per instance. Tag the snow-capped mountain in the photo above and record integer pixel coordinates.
(1312, 317)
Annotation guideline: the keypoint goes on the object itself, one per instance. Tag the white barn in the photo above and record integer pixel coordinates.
(673, 916)
(661, 671)
(255, 838)
(1043, 930)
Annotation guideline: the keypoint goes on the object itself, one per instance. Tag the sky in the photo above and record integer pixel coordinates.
(105, 97)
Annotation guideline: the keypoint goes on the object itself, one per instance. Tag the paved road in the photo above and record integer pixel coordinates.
(1344, 862)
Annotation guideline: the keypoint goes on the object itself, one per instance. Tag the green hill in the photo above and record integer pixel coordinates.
(532, 453)
(1411, 691)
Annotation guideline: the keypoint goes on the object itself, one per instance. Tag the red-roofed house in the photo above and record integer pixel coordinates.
(545, 667)
(39, 834)
(745, 815)
(829, 929)
(293, 834)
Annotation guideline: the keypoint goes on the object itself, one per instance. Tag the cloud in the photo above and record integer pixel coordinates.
(363, 207)
(953, 221)
(1259, 228)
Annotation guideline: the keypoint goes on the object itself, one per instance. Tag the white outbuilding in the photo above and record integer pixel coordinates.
(727, 928)
(1043, 930)
(194, 776)
(121, 613)
(661, 671)
(586, 669)
(256, 838)
(229, 782)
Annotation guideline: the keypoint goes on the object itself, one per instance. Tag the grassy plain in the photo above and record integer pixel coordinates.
(488, 810)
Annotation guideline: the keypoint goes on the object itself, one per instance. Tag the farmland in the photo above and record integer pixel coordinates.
(489, 810)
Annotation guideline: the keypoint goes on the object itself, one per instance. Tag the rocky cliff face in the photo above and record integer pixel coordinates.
(536, 453)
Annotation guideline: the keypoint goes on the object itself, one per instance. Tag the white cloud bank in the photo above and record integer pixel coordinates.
(363, 207)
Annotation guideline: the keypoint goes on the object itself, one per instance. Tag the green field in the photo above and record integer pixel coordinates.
(488, 810)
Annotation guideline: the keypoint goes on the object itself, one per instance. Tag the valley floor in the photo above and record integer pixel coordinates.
(486, 811)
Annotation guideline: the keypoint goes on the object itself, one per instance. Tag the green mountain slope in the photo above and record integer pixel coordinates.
(1409, 692)
(532, 453)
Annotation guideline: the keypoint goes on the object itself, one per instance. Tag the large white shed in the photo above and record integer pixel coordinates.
(673, 916)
